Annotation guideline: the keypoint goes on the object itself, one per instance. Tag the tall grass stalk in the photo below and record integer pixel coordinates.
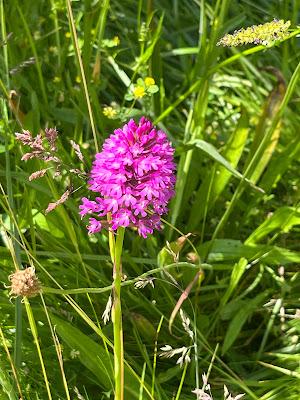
(13, 228)
(58, 349)
(82, 72)
(34, 333)
(13, 368)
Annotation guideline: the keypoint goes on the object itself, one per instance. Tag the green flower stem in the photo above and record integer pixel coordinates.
(117, 317)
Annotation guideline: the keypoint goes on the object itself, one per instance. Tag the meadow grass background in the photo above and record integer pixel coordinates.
(216, 104)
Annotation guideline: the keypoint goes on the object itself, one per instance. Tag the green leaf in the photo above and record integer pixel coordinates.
(140, 82)
(268, 115)
(217, 178)
(96, 358)
(213, 153)
(120, 72)
(239, 320)
(152, 89)
(129, 96)
(236, 274)
(224, 250)
(279, 164)
(282, 220)
(64, 114)
(6, 385)
(91, 354)
(45, 223)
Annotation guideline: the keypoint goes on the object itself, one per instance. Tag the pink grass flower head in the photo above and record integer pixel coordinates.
(134, 177)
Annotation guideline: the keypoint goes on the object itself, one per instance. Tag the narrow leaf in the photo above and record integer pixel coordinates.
(239, 320)
(212, 152)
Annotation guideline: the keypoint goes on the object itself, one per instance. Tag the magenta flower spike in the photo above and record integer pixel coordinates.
(134, 178)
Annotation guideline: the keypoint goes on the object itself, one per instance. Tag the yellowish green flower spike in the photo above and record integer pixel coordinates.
(263, 34)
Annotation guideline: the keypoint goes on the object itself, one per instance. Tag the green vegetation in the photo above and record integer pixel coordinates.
(227, 295)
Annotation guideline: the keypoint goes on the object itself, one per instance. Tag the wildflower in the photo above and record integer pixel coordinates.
(116, 40)
(24, 283)
(109, 112)
(143, 87)
(68, 35)
(134, 175)
(139, 92)
(94, 226)
(78, 79)
(149, 81)
(257, 34)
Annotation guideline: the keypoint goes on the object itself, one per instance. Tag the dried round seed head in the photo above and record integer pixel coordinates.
(24, 283)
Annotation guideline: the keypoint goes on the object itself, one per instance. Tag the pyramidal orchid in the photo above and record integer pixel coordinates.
(134, 179)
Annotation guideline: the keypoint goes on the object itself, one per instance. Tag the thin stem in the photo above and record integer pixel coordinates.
(155, 357)
(36, 57)
(10, 194)
(34, 332)
(82, 73)
(100, 29)
(181, 381)
(57, 348)
(46, 289)
(117, 317)
(13, 368)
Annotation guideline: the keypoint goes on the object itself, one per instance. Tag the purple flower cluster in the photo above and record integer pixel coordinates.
(134, 175)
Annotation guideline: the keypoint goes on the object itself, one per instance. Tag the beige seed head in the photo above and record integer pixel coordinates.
(24, 283)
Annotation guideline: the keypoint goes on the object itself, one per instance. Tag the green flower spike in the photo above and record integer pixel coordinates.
(257, 34)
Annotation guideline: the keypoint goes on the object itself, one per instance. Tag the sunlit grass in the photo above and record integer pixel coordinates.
(232, 116)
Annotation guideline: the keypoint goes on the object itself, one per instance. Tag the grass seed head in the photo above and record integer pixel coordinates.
(24, 283)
